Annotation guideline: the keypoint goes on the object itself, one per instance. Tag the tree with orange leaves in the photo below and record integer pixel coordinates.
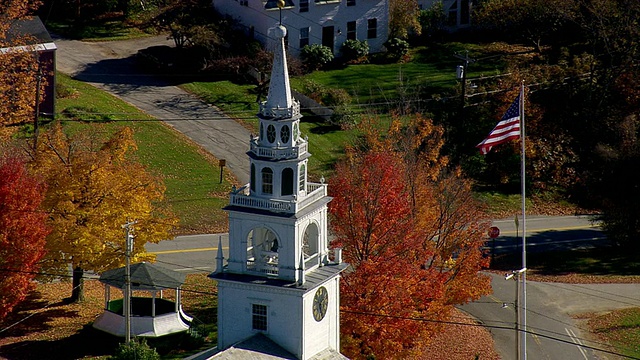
(18, 69)
(22, 231)
(412, 233)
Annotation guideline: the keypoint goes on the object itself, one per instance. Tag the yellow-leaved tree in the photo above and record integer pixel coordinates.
(95, 187)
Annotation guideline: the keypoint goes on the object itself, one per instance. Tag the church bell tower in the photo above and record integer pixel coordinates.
(281, 280)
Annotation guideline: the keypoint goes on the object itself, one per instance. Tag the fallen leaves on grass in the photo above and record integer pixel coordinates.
(620, 328)
(462, 342)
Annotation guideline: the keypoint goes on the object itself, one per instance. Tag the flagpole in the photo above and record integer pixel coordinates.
(523, 333)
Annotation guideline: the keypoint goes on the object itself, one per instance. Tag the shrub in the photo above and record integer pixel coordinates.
(433, 21)
(397, 48)
(337, 99)
(315, 56)
(81, 113)
(355, 50)
(135, 350)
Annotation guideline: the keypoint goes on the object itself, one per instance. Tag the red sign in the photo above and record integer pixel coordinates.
(494, 232)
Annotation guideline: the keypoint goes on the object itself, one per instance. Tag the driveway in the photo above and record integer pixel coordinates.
(110, 66)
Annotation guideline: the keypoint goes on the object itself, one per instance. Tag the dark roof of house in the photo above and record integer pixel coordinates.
(144, 276)
(31, 29)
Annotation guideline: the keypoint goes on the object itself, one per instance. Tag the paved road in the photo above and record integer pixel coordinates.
(111, 67)
(190, 253)
(547, 233)
(550, 307)
(555, 334)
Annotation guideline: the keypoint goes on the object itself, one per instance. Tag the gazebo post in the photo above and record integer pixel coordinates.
(178, 294)
(107, 296)
(153, 304)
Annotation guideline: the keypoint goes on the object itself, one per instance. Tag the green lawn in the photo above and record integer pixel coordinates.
(621, 329)
(190, 174)
(431, 71)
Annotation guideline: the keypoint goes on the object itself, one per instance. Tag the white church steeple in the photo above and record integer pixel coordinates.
(280, 279)
(279, 95)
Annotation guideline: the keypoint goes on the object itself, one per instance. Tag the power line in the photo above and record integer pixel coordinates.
(501, 327)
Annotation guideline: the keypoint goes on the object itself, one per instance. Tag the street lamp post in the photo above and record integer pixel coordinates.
(520, 340)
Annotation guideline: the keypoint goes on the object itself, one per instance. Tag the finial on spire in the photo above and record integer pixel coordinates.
(280, 6)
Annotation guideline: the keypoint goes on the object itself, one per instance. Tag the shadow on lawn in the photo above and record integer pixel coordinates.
(37, 322)
(86, 342)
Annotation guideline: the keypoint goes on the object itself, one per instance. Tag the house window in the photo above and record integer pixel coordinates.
(351, 2)
(259, 313)
(287, 182)
(464, 12)
(304, 6)
(351, 30)
(302, 177)
(267, 181)
(304, 37)
(372, 28)
(452, 19)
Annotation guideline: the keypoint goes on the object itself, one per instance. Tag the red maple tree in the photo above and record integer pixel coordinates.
(412, 233)
(22, 231)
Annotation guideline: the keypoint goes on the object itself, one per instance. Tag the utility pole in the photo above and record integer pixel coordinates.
(462, 75)
(127, 281)
(37, 105)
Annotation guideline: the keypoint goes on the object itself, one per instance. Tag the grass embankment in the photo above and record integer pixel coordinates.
(191, 175)
(620, 328)
(104, 29)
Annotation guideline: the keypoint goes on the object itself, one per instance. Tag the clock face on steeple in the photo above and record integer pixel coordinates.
(320, 303)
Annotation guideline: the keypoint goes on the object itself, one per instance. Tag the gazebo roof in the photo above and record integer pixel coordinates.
(144, 276)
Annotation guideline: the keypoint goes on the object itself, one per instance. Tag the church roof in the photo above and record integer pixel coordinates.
(257, 347)
(260, 347)
(144, 276)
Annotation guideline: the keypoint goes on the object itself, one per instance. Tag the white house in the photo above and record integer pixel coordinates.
(458, 12)
(279, 293)
(326, 22)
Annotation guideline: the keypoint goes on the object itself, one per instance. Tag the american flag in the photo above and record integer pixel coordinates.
(507, 129)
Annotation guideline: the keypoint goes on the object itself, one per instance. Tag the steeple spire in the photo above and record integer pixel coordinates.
(279, 96)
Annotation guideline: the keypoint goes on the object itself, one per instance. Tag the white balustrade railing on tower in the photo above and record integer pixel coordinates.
(279, 153)
(242, 197)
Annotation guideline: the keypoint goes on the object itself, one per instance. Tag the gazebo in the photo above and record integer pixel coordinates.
(150, 316)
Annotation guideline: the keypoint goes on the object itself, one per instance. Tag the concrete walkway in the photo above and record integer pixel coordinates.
(111, 66)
